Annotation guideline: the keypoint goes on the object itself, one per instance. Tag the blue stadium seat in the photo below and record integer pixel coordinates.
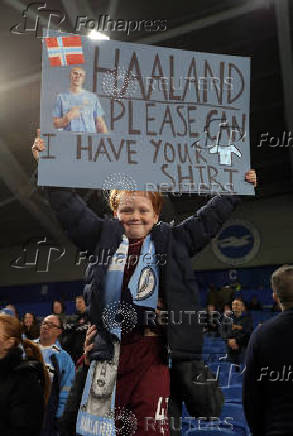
(233, 393)
(235, 412)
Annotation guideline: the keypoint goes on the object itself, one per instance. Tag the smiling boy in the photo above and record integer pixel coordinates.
(143, 376)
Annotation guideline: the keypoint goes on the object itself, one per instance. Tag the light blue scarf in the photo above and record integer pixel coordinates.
(144, 283)
(144, 288)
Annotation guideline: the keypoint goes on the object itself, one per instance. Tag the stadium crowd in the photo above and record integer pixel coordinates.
(63, 348)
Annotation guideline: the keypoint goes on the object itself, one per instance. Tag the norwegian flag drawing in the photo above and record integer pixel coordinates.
(64, 51)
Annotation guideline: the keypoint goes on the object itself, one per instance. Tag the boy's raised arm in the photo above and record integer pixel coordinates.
(81, 224)
(197, 230)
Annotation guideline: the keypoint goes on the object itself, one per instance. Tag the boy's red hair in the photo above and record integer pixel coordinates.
(155, 197)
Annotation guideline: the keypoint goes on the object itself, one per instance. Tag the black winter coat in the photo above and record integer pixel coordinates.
(241, 336)
(67, 423)
(177, 283)
(73, 336)
(268, 378)
(21, 395)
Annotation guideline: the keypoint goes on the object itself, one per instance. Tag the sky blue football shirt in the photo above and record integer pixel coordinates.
(90, 108)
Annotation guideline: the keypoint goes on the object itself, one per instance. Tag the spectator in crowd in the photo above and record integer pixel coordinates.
(267, 388)
(61, 370)
(237, 333)
(246, 313)
(219, 297)
(212, 320)
(58, 308)
(73, 337)
(80, 305)
(24, 382)
(212, 296)
(30, 326)
(10, 309)
(225, 296)
(254, 304)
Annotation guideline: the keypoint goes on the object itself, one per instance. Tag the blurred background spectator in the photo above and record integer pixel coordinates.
(254, 304)
(23, 382)
(238, 332)
(9, 309)
(75, 328)
(58, 308)
(225, 297)
(212, 321)
(61, 371)
(30, 326)
(212, 295)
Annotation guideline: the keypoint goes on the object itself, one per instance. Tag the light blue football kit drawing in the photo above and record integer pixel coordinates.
(90, 110)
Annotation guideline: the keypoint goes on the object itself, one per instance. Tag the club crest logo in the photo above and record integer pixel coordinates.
(146, 284)
(237, 243)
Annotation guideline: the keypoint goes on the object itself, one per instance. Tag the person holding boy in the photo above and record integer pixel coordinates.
(168, 285)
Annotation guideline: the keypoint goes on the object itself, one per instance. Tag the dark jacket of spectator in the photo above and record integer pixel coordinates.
(30, 326)
(67, 423)
(73, 336)
(32, 332)
(212, 322)
(241, 336)
(276, 307)
(254, 304)
(212, 296)
(268, 379)
(225, 297)
(21, 398)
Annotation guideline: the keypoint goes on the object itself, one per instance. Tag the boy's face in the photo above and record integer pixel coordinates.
(136, 213)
